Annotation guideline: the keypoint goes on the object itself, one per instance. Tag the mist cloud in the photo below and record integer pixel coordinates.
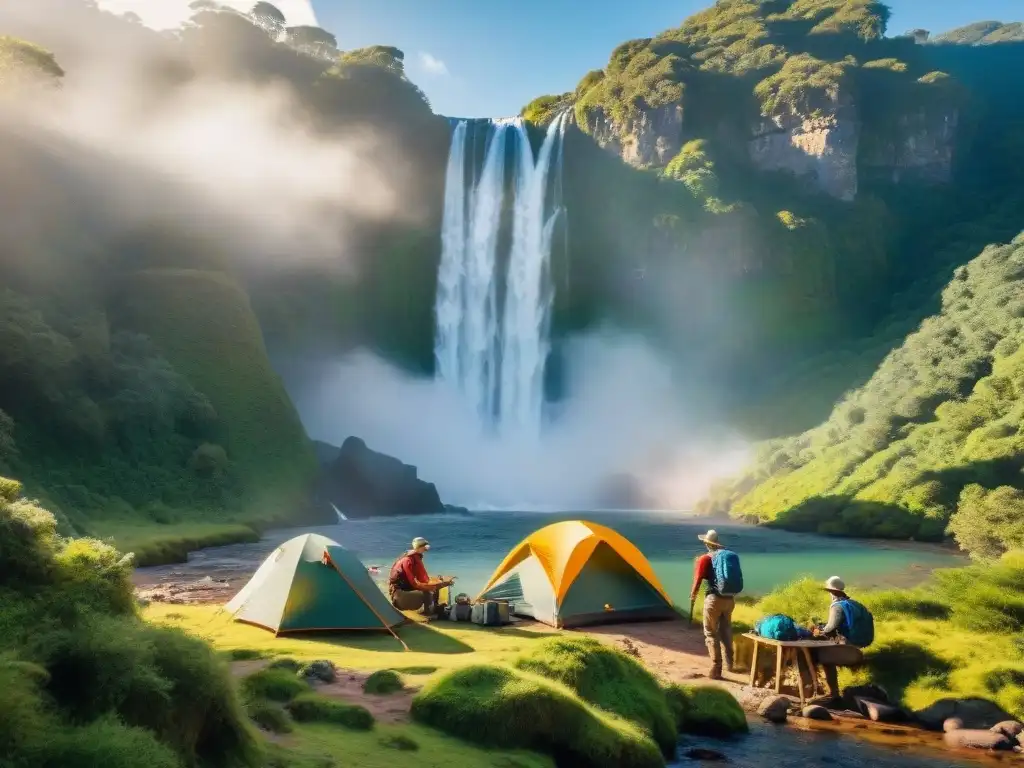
(218, 156)
(624, 414)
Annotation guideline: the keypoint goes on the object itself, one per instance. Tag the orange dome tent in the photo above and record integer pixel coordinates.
(575, 573)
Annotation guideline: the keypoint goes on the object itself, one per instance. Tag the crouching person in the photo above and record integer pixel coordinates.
(409, 586)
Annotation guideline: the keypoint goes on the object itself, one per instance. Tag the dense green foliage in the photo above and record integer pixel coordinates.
(983, 33)
(577, 700)
(85, 682)
(957, 636)
(932, 437)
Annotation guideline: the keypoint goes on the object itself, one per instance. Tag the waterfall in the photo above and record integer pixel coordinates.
(493, 323)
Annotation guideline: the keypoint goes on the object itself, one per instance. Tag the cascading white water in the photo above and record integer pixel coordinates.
(497, 358)
(529, 292)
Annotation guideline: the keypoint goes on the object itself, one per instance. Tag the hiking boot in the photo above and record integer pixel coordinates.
(715, 673)
(729, 667)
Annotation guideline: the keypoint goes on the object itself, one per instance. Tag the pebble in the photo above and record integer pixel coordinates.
(1009, 728)
(951, 724)
(699, 753)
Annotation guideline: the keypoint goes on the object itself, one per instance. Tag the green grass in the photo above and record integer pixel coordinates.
(504, 707)
(706, 710)
(608, 679)
(430, 649)
(383, 682)
(928, 645)
(278, 684)
(318, 745)
(163, 544)
(313, 708)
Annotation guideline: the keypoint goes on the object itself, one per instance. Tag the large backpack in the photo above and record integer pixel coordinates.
(858, 624)
(778, 626)
(728, 574)
(396, 578)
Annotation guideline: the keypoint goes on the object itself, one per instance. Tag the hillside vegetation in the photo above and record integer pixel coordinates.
(736, 122)
(932, 439)
(138, 398)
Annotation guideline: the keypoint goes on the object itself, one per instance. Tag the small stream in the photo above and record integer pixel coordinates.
(773, 746)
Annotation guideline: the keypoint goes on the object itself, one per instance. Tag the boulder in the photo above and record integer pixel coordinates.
(973, 712)
(362, 483)
(879, 711)
(322, 670)
(774, 709)
(974, 739)
(952, 724)
(816, 712)
(869, 691)
(1010, 728)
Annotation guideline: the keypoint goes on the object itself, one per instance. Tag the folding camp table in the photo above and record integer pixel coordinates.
(788, 652)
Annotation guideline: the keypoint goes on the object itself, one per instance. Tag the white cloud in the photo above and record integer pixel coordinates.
(432, 65)
(168, 14)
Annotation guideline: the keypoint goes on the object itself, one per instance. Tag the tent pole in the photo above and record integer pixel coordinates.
(367, 604)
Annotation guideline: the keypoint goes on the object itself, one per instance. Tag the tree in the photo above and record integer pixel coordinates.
(313, 41)
(269, 18)
(22, 61)
(384, 56)
(989, 523)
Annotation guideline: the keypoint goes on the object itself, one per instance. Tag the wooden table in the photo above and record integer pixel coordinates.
(788, 652)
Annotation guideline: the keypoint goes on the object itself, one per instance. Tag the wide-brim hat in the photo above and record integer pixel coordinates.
(419, 541)
(834, 584)
(710, 538)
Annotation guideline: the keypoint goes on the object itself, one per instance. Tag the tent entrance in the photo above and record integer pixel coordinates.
(607, 579)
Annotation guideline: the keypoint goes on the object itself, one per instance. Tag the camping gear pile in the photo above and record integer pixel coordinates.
(567, 574)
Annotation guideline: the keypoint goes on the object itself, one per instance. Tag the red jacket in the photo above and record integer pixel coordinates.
(410, 569)
(702, 570)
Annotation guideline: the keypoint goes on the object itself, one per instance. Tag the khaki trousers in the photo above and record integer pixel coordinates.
(718, 628)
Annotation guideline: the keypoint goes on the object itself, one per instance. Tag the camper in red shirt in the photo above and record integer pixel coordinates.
(410, 587)
(718, 608)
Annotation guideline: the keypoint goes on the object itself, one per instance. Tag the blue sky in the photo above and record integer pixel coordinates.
(489, 58)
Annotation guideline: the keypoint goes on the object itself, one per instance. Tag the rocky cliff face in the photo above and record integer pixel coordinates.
(826, 151)
(822, 150)
(920, 149)
(651, 139)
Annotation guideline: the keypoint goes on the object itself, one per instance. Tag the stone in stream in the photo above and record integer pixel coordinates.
(879, 711)
(816, 712)
(974, 712)
(869, 691)
(774, 709)
(975, 739)
(952, 724)
(1010, 728)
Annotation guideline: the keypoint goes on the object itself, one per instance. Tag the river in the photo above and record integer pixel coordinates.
(471, 547)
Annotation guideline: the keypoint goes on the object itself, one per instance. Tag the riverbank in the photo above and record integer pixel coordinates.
(673, 651)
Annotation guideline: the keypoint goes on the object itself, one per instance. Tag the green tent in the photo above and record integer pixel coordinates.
(311, 583)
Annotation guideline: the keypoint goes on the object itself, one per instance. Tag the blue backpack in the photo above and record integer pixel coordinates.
(858, 624)
(778, 626)
(728, 575)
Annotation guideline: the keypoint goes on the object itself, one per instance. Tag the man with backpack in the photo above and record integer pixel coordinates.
(851, 625)
(720, 568)
(409, 586)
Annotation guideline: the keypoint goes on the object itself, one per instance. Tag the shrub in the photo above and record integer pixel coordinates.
(399, 742)
(269, 716)
(607, 679)
(706, 710)
(383, 681)
(274, 684)
(287, 664)
(107, 743)
(313, 708)
(502, 707)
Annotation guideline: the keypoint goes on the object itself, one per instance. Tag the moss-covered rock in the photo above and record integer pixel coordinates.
(707, 710)
(503, 707)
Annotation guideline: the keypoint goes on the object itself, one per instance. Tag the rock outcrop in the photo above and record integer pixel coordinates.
(821, 150)
(361, 483)
(650, 139)
(919, 150)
